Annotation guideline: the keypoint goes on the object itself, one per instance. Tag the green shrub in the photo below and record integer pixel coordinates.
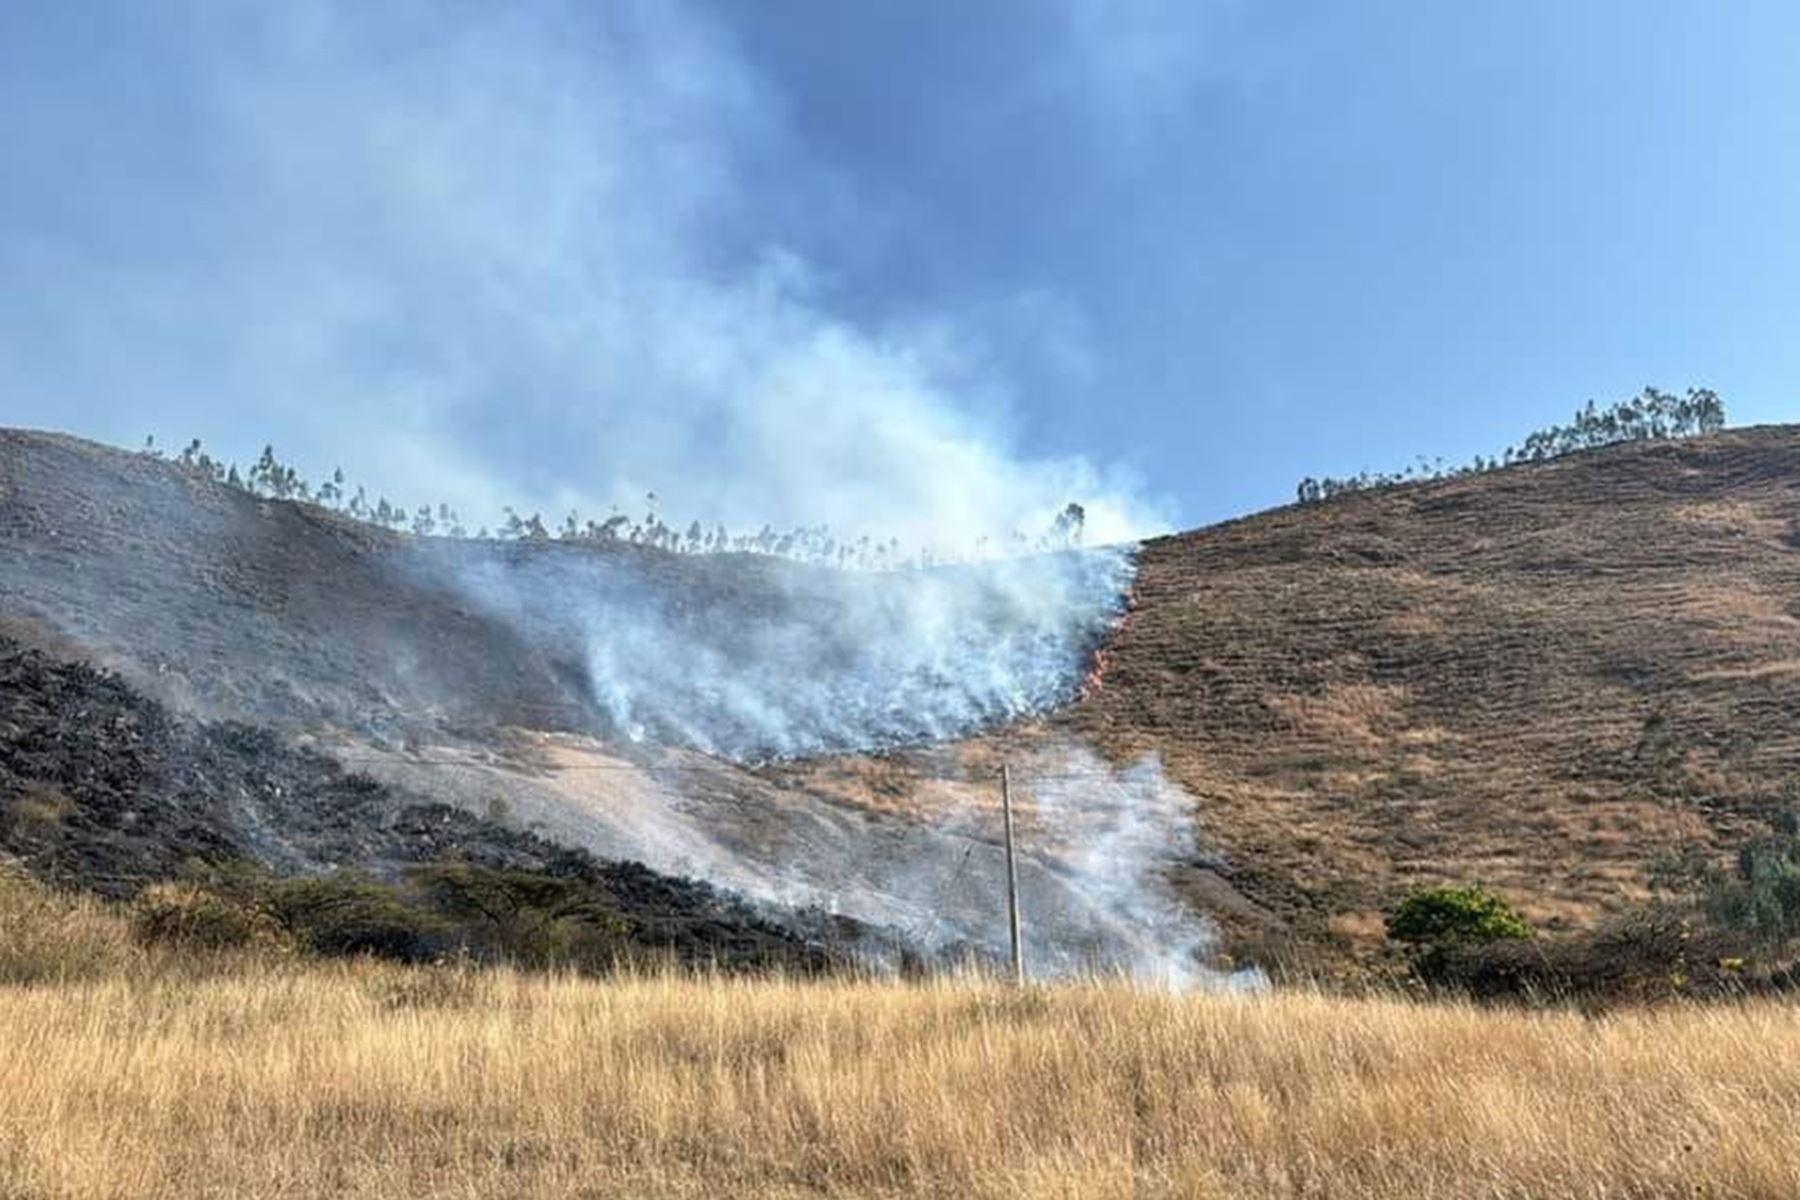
(1756, 899)
(433, 912)
(1454, 915)
(1438, 924)
(1760, 897)
(347, 914)
(525, 918)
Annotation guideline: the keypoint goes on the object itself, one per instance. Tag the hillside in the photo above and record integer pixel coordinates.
(104, 790)
(1537, 677)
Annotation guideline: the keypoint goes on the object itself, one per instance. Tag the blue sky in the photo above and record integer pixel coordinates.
(912, 267)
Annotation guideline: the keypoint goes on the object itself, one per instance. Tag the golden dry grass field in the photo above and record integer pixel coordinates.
(360, 1080)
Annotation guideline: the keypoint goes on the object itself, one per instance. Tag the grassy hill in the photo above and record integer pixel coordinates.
(1537, 677)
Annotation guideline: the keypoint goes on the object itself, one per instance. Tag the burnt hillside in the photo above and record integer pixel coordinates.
(240, 607)
(105, 790)
(235, 607)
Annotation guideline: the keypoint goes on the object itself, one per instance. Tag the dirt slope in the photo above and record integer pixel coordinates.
(1538, 677)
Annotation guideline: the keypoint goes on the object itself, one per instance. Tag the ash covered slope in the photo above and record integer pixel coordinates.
(439, 665)
(104, 789)
(1538, 677)
(243, 608)
(236, 608)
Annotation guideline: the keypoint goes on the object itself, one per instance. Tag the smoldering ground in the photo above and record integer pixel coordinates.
(752, 658)
(707, 679)
(1096, 844)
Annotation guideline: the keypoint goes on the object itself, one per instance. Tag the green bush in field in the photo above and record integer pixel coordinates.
(1436, 924)
(1756, 899)
(526, 918)
(1761, 898)
(432, 911)
(346, 913)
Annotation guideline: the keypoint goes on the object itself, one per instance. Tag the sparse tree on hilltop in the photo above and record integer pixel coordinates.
(1066, 531)
(270, 478)
(331, 492)
(1652, 414)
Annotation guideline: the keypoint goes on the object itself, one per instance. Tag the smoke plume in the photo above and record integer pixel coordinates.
(752, 658)
(1096, 845)
(535, 254)
(532, 254)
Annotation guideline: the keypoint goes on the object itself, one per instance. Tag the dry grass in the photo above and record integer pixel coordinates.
(368, 1081)
(128, 1074)
(40, 806)
(46, 936)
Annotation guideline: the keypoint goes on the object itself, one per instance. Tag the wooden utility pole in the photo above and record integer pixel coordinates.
(1012, 876)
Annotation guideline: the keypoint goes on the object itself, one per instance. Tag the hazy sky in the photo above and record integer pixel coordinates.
(921, 266)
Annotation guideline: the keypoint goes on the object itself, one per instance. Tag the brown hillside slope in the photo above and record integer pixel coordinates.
(1536, 677)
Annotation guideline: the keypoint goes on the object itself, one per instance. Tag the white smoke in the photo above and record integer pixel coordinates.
(1098, 847)
(1095, 847)
(1115, 834)
(750, 658)
(527, 254)
(753, 658)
